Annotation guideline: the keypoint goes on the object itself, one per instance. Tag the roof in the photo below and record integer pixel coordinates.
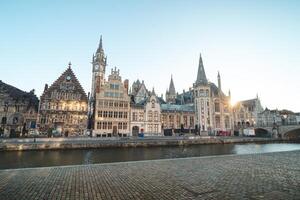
(286, 112)
(175, 107)
(19, 95)
(184, 98)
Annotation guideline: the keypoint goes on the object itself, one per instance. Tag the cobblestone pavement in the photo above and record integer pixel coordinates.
(256, 176)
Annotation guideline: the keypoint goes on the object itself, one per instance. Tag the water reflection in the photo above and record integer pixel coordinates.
(259, 148)
(21, 159)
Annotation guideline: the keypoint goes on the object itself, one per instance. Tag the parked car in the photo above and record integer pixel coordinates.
(33, 133)
(55, 133)
(249, 132)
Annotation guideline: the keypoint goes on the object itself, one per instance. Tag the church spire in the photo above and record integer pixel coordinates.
(201, 77)
(172, 87)
(100, 48)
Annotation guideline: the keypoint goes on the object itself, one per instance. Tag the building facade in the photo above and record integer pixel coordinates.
(63, 106)
(145, 111)
(18, 110)
(109, 102)
(112, 107)
(153, 115)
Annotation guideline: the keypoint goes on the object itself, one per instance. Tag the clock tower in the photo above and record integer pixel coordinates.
(99, 62)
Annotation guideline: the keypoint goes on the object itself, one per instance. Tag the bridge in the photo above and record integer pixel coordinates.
(289, 131)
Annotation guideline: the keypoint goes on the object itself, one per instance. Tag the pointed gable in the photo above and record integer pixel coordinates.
(66, 87)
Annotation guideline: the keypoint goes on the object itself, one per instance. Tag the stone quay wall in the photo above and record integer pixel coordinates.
(85, 143)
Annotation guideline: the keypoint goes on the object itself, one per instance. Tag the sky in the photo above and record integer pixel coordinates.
(255, 45)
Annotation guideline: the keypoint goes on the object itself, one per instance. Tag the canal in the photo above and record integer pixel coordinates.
(25, 159)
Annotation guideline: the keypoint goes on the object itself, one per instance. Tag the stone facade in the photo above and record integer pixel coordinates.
(178, 116)
(63, 106)
(18, 110)
(137, 119)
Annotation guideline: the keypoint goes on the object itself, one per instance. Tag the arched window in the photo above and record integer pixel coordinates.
(4, 120)
(15, 120)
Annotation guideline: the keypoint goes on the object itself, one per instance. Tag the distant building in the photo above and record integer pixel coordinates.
(63, 106)
(277, 117)
(18, 110)
(204, 107)
(247, 112)
(298, 118)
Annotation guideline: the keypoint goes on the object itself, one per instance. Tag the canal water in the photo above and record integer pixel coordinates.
(24, 159)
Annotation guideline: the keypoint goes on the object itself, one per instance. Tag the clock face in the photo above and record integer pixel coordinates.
(96, 67)
(68, 77)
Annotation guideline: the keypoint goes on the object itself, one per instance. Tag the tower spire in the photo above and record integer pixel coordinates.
(153, 92)
(219, 81)
(100, 48)
(201, 77)
(172, 87)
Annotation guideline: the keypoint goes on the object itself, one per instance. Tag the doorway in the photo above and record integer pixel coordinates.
(135, 131)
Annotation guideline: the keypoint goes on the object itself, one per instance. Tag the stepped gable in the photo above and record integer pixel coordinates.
(63, 78)
(19, 95)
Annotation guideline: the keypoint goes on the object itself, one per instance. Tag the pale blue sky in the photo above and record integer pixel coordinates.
(254, 44)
